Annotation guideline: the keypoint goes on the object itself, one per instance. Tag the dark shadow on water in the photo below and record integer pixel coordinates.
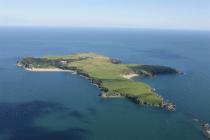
(92, 111)
(18, 118)
(76, 114)
(15, 115)
(36, 133)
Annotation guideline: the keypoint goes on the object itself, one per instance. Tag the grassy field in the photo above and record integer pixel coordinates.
(107, 75)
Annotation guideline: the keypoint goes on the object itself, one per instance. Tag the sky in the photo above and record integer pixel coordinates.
(163, 14)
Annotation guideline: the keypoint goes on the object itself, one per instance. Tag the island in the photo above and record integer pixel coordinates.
(112, 77)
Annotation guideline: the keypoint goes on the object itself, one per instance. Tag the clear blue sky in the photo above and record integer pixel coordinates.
(174, 14)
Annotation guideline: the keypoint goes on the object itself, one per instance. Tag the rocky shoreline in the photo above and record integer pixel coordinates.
(204, 126)
(165, 105)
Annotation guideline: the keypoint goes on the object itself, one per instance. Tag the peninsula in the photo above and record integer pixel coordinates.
(110, 75)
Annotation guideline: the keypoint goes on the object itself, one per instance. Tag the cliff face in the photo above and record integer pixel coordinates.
(151, 70)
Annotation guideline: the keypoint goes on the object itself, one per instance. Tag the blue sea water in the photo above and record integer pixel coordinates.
(63, 106)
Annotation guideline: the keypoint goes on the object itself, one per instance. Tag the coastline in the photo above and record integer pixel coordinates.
(102, 95)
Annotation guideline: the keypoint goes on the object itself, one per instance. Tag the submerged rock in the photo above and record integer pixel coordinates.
(169, 106)
(206, 130)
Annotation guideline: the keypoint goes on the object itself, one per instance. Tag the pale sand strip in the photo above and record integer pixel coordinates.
(47, 70)
(129, 76)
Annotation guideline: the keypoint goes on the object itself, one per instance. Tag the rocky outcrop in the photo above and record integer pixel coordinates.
(206, 130)
(115, 61)
(151, 70)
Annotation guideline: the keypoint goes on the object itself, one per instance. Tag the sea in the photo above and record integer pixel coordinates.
(64, 106)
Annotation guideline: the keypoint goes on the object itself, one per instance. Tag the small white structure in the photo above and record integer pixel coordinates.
(63, 62)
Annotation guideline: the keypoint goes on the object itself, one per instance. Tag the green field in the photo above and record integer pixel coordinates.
(108, 74)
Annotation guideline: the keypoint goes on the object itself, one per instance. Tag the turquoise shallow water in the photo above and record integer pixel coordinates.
(54, 106)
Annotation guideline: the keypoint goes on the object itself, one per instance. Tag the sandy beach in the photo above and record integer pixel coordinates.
(130, 76)
(47, 70)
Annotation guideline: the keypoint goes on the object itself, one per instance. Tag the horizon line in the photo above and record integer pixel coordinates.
(104, 27)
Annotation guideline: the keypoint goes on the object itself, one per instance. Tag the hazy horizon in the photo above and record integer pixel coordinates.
(137, 14)
(100, 28)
